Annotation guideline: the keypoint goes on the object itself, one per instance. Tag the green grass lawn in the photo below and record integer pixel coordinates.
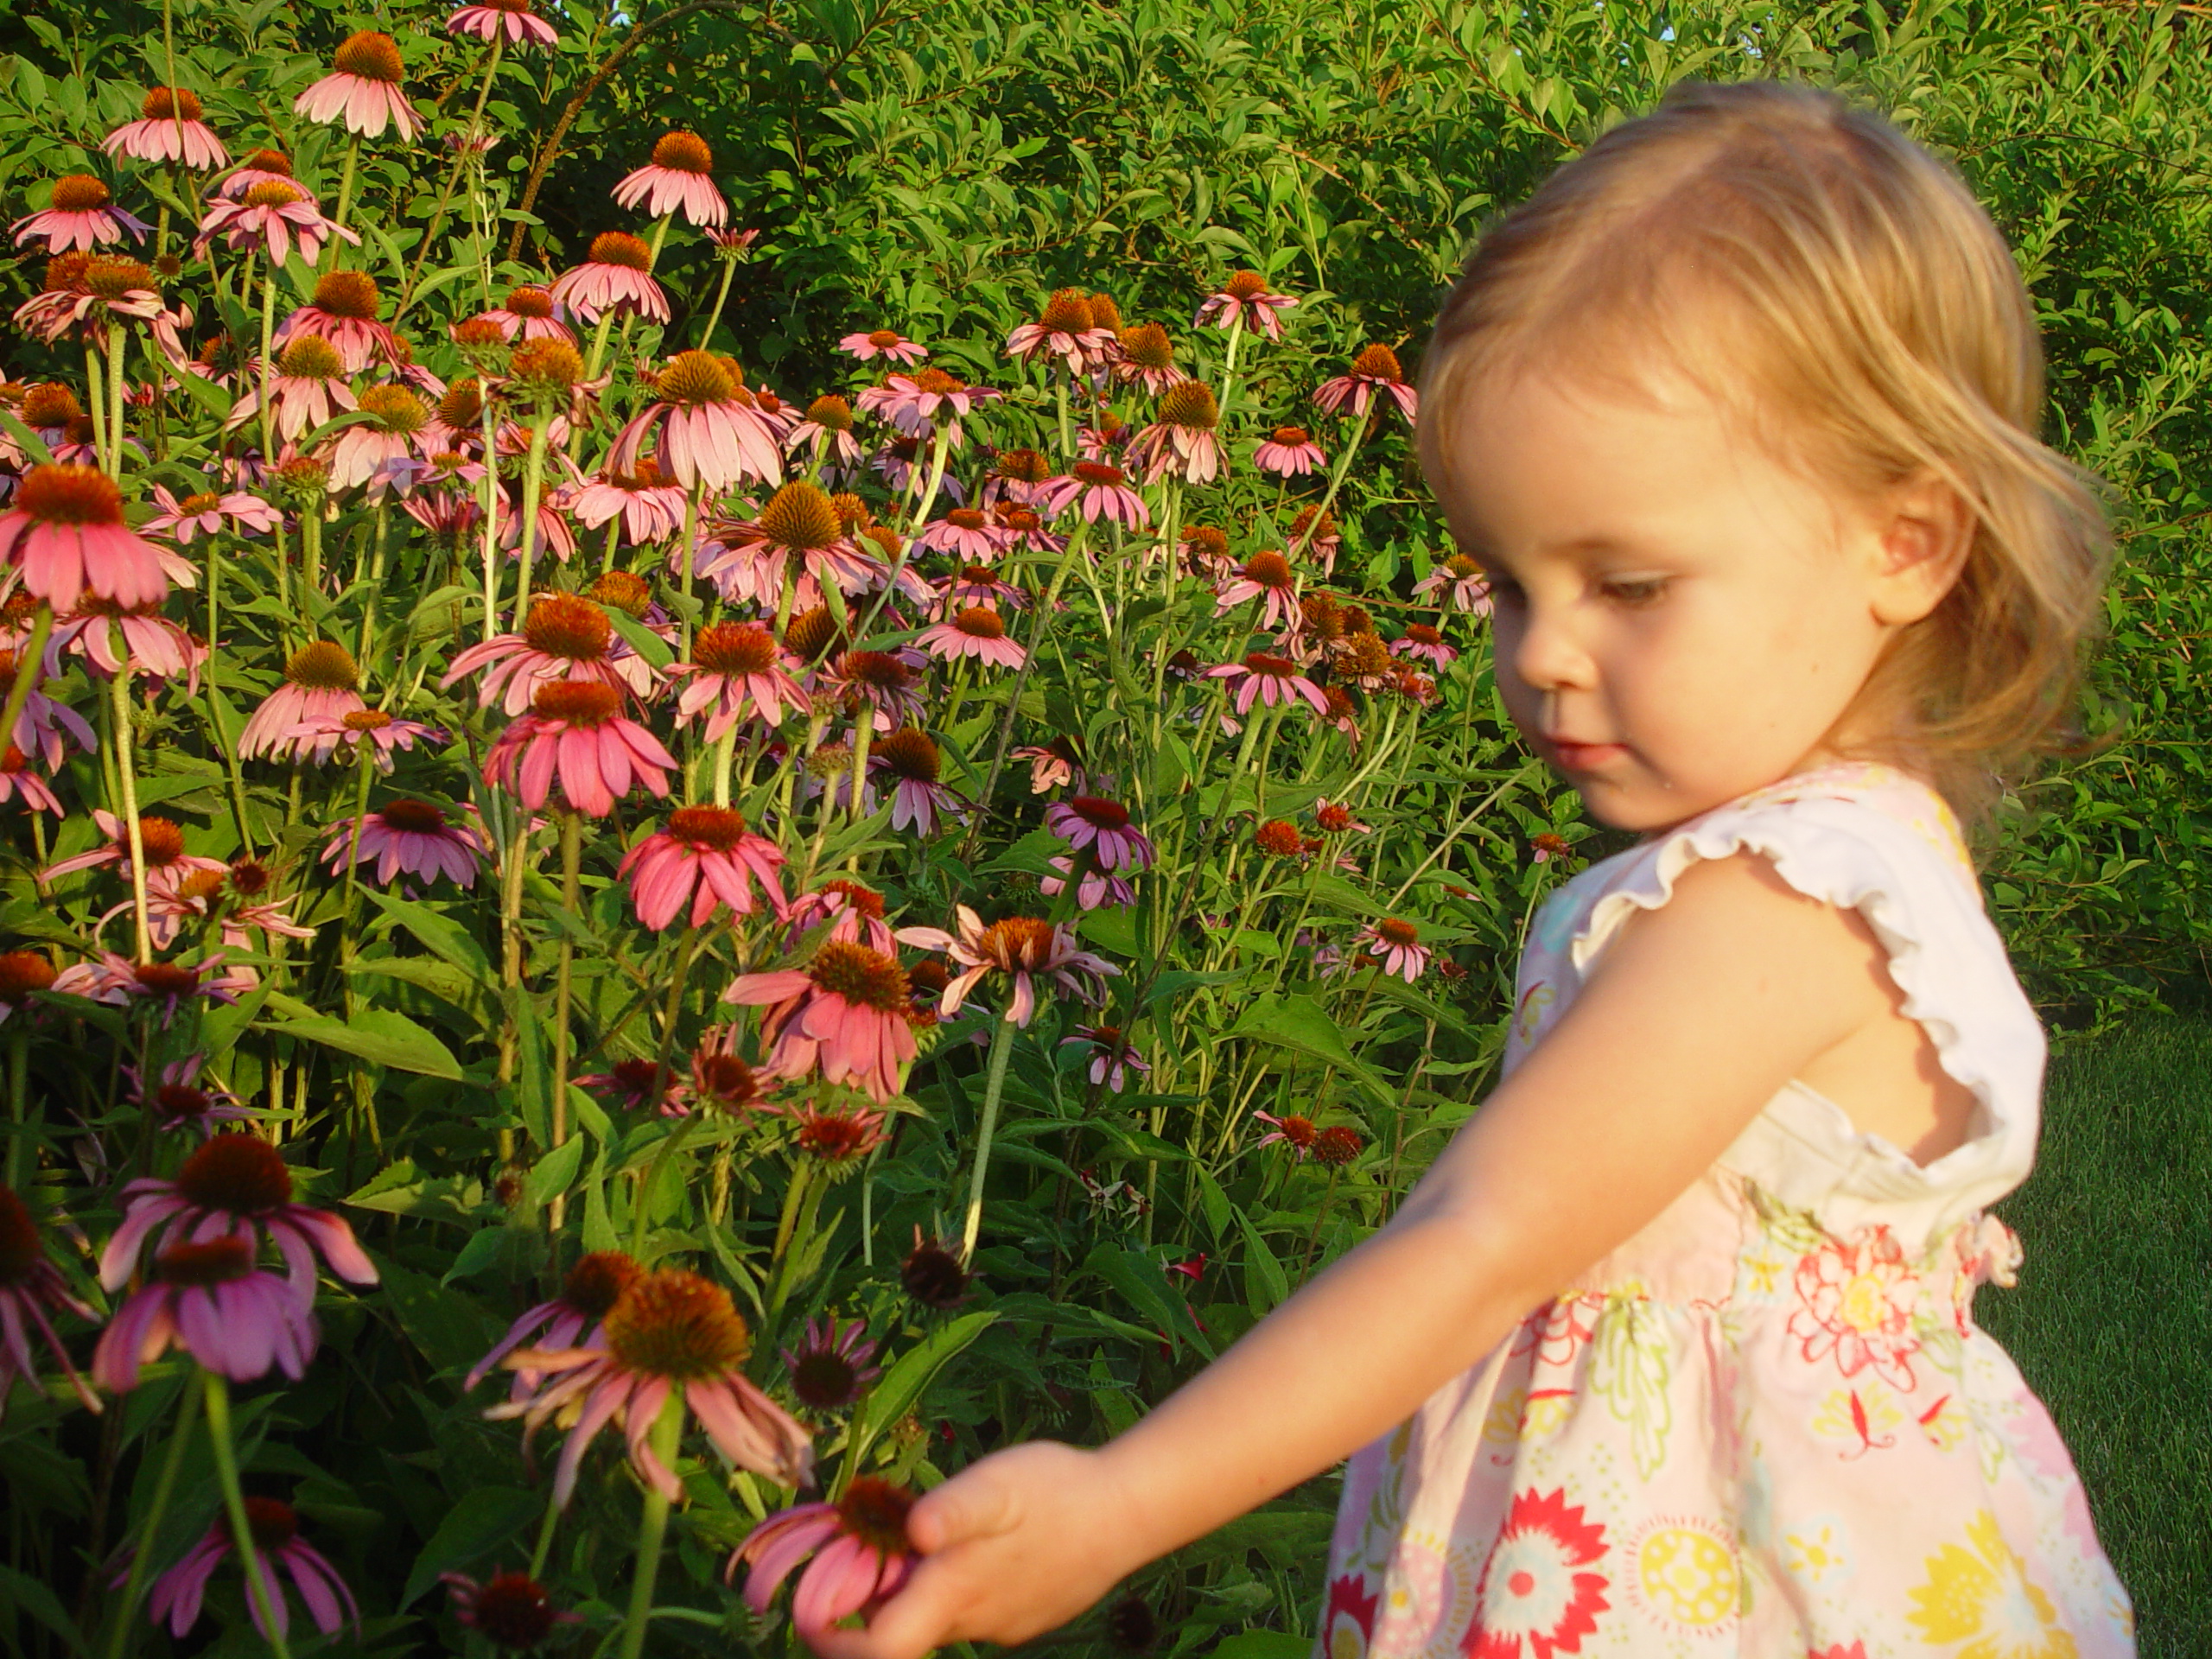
(2111, 1319)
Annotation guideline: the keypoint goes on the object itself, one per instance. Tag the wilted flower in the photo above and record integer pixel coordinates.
(678, 176)
(1024, 949)
(918, 799)
(180, 1102)
(1052, 766)
(1293, 1131)
(82, 214)
(117, 980)
(864, 1559)
(31, 1287)
(836, 1139)
(275, 1529)
(362, 89)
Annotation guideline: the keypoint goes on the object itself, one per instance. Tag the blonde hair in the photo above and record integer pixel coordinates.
(1835, 286)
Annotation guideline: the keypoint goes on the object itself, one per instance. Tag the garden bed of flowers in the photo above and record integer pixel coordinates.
(612, 965)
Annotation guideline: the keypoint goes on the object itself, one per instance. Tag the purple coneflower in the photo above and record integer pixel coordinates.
(566, 639)
(384, 734)
(915, 402)
(845, 1012)
(678, 176)
(1112, 1055)
(885, 681)
(531, 313)
(1268, 679)
(307, 390)
(489, 19)
(1397, 945)
(706, 860)
(1101, 827)
(1147, 358)
(1290, 452)
(208, 514)
(207, 1297)
(1024, 949)
(616, 277)
(31, 1287)
(1052, 766)
(882, 342)
(320, 683)
(87, 292)
(1267, 578)
(736, 670)
(17, 781)
(118, 981)
(382, 451)
(965, 534)
(1462, 583)
(81, 214)
(151, 644)
(168, 129)
(411, 838)
(275, 1529)
(577, 734)
(864, 1559)
(1292, 1129)
(1098, 488)
(509, 1610)
(180, 1102)
(1068, 329)
(829, 429)
(45, 727)
(1096, 888)
(829, 1368)
(67, 538)
(650, 507)
(1244, 298)
(977, 633)
(977, 584)
(161, 841)
(853, 913)
(571, 1319)
(362, 89)
(1181, 443)
(344, 312)
(668, 1330)
(1421, 641)
(1376, 369)
(273, 215)
(918, 799)
(710, 431)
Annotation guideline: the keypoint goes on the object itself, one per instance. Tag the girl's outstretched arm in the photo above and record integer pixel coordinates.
(1699, 1013)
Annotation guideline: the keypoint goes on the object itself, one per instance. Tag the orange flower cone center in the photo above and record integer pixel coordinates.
(831, 412)
(309, 357)
(620, 248)
(580, 702)
(272, 193)
(1269, 569)
(980, 622)
(242, 1175)
(568, 626)
(370, 55)
(716, 828)
(271, 1524)
(512, 1609)
(623, 591)
(22, 972)
(111, 276)
(866, 978)
(597, 1281)
(676, 1324)
(1068, 312)
(1018, 942)
(68, 494)
(170, 103)
(413, 817)
(325, 665)
(909, 754)
(867, 901)
(217, 1262)
(1245, 285)
(1377, 363)
(800, 516)
(164, 842)
(1147, 347)
(735, 648)
(694, 378)
(684, 152)
(1190, 404)
(347, 293)
(79, 193)
(396, 410)
(873, 1512)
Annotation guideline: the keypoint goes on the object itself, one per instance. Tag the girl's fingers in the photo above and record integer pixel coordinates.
(917, 1618)
(974, 1505)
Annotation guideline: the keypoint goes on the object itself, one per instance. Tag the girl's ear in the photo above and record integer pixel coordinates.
(1925, 534)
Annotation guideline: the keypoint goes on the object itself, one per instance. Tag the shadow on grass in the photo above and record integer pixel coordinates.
(2111, 1319)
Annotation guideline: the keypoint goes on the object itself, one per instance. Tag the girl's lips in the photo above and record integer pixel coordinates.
(1586, 757)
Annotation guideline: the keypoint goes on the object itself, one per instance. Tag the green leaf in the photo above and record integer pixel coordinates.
(20, 1592)
(1144, 1283)
(556, 1170)
(479, 1524)
(32, 445)
(643, 641)
(381, 1036)
(1266, 1285)
(894, 1395)
(438, 933)
(1303, 1026)
(1113, 929)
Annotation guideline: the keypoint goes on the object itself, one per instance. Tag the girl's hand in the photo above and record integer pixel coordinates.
(1013, 1545)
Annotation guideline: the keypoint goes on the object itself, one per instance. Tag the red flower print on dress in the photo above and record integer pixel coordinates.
(1854, 1650)
(1348, 1624)
(1858, 1297)
(1537, 1596)
(1559, 1329)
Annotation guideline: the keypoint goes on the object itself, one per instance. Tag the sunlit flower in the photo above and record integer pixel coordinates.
(668, 1331)
(1244, 299)
(384, 735)
(828, 429)
(31, 1288)
(851, 911)
(161, 841)
(863, 1557)
(568, 1321)
(320, 683)
(915, 404)
(977, 633)
(1096, 887)
(678, 176)
(208, 1298)
(531, 313)
(1376, 369)
(1460, 582)
(650, 507)
(736, 671)
(705, 861)
(845, 1012)
(362, 89)
(918, 799)
(882, 342)
(488, 20)
(411, 838)
(829, 1368)
(17, 781)
(1294, 1131)
(509, 1610)
(307, 390)
(1069, 329)
(82, 214)
(66, 537)
(45, 727)
(616, 277)
(1089, 823)
(1098, 489)
(1053, 765)
(273, 215)
(751, 556)
(1023, 948)
(964, 533)
(118, 981)
(209, 513)
(1147, 358)
(260, 167)
(168, 129)
(1181, 443)
(87, 292)
(1112, 1056)
(709, 431)
(344, 312)
(1269, 680)
(383, 447)
(235, 1187)
(1289, 452)
(1267, 579)
(577, 734)
(275, 1529)
(1421, 641)
(977, 584)
(1397, 946)
(566, 639)
(180, 1102)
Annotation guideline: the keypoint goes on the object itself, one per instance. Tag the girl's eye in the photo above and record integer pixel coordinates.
(1504, 590)
(1634, 591)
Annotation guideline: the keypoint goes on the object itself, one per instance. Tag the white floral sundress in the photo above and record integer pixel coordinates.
(1767, 1425)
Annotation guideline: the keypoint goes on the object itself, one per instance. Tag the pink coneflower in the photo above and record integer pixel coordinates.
(1087, 822)
(1024, 949)
(1147, 358)
(308, 389)
(1244, 299)
(509, 1610)
(1112, 1056)
(384, 736)
(884, 681)
(167, 864)
(829, 1368)
(235, 1187)
(615, 277)
(918, 799)
(382, 449)
(1181, 442)
(710, 432)
(1266, 578)
(67, 538)
(81, 215)
(828, 429)
(1543, 848)
(531, 313)
(1397, 945)
(636, 1084)
(22, 973)
(87, 292)
(977, 633)
(208, 513)
(411, 838)
(668, 1330)
(1421, 641)
(31, 1287)
(588, 1292)
(45, 727)
(207, 1297)
(704, 862)
(977, 584)
(1268, 679)
(275, 1529)
(566, 639)
(651, 508)
(915, 404)
(179, 1102)
(736, 671)
(845, 1012)
(864, 1558)
(273, 216)
(1069, 329)
(362, 89)
(258, 168)
(18, 781)
(1292, 1129)
(488, 20)
(343, 312)
(1462, 583)
(882, 342)
(1335, 819)
(965, 534)
(1376, 369)
(1054, 765)
(168, 129)
(1096, 888)
(151, 644)
(750, 556)
(1289, 452)
(851, 911)
(320, 683)
(1098, 488)
(118, 981)
(577, 734)
(676, 177)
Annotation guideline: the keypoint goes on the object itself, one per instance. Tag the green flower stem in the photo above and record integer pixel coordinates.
(364, 1108)
(544, 1547)
(724, 754)
(1060, 397)
(715, 316)
(652, 1527)
(571, 863)
(1336, 483)
(382, 522)
(993, 1086)
(126, 775)
(259, 1579)
(95, 392)
(453, 177)
(489, 418)
(188, 1418)
(214, 706)
(689, 558)
(19, 1061)
(641, 1218)
(607, 556)
(1229, 362)
(114, 344)
(940, 448)
(30, 668)
(863, 734)
(344, 193)
(598, 352)
(794, 1230)
(533, 474)
(311, 554)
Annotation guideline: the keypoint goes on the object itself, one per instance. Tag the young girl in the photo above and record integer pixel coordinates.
(1736, 412)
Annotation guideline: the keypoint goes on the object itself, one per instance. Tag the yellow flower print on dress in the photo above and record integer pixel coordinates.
(1864, 1419)
(1857, 1300)
(1684, 1576)
(1528, 1018)
(1816, 1554)
(1982, 1597)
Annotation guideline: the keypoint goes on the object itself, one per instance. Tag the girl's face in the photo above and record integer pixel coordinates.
(1680, 618)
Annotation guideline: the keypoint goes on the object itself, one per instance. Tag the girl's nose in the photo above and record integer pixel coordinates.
(1546, 657)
